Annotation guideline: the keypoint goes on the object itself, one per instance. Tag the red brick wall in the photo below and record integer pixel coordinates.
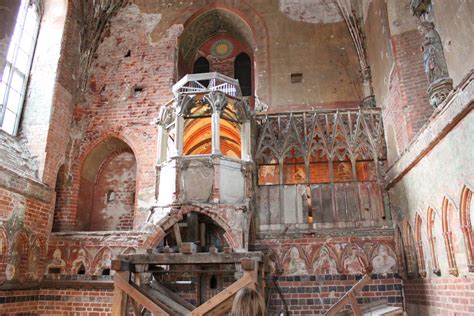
(407, 108)
(56, 302)
(315, 294)
(441, 296)
(25, 214)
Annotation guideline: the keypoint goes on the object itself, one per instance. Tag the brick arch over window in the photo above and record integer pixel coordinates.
(167, 223)
(107, 185)
(419, 244)
(465, 217)
(431, 221)
(447, 213)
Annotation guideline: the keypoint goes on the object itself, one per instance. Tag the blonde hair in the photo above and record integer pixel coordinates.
(248, 302)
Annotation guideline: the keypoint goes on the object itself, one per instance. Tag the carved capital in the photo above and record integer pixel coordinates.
(439, 90)
(217, 100)
(420, 8)
(182, 104)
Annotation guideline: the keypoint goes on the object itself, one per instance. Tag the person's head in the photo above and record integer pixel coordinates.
(248, 302)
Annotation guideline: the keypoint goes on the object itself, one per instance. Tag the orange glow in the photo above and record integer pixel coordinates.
(198, 137)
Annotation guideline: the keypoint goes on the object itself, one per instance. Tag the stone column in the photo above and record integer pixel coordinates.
(216, 133)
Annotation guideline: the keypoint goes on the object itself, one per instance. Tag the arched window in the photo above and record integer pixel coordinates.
(18, 65)
(201, 65)
(243, 72)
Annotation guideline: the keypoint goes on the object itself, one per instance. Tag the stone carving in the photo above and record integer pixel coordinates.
(383, 262)
(57, 262)
(420, 8)
(359, 138)
(295, 265)
(216, 99)
(435, 65)
(353, 263)
(433, 56)
(325, 264)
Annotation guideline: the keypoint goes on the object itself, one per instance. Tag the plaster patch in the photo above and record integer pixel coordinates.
(311, 11)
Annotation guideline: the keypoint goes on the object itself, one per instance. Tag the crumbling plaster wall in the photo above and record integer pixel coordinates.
(396, 61)
(291, 41)
(454, 21)
(422, 187)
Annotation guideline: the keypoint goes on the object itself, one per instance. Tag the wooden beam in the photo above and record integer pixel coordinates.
(124, 286)
(176, 297)
(177, 235)
(197, 258)
(349, 298)
(120, 265)
(220, 298)
(119, 298)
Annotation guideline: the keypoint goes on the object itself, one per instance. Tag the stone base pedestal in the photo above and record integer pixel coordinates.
(439, 90)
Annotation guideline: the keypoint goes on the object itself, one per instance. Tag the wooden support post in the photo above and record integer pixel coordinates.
(193, 229)
(119, 300)
(177, 235)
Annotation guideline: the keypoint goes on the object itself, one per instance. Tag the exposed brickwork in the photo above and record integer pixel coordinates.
(407, 108)
(315, 294)
(441, 296)
(56, 302)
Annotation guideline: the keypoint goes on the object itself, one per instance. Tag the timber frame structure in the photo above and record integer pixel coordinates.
(133, 282)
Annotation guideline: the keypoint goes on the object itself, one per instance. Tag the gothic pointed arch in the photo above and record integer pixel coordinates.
(419, 244)
(466, 218)
(447, 214)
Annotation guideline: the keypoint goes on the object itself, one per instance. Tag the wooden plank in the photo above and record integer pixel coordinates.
(193, 227)
(220, 298)
(349, 297)
(163, 289)
(120, 265)
(165, 302)
(136, 295)
(177, 235)
(197, 258)
(119, 298)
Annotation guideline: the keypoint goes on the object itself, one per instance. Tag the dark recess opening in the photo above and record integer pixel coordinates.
(243, 72)
(213, 282)
(201, 65)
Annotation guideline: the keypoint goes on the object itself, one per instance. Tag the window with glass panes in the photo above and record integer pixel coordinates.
(18, 64)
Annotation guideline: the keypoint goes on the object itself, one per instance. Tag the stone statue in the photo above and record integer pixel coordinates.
(433, 56)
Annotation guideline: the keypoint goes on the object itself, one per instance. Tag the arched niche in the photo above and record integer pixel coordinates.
(107, 188)
(61, 194)
(196, 228)
(432, 240)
